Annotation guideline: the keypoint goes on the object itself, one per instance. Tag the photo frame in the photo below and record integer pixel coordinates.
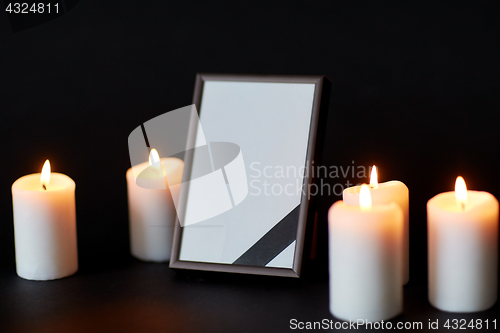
(277, 124)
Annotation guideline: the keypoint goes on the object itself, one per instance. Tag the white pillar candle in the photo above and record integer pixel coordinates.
(152, 213)
(365, 260)
(462, 230)
(382, 194)
(45, 225)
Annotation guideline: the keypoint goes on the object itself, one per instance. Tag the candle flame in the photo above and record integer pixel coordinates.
(365, 198)
(45, 177)
(374, 177)
(461, 191)
(154, 157)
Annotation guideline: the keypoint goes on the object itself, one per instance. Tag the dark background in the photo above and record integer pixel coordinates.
(415, 90)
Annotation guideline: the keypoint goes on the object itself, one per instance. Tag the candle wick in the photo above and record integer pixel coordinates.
(462, 204)
(44, 187)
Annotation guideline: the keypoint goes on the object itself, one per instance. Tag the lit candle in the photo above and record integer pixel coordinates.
(152, 213)
(462, 229)
(45, 225)
(382, 194)
(365, 259)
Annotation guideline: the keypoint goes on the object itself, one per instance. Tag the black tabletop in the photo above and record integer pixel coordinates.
(134, 296)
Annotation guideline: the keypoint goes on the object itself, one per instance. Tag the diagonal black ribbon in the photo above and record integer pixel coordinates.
(273, 242)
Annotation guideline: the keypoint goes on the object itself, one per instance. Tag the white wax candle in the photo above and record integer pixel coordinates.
(382, 194)
(152, 213)
(45, 227)
(463, 250)
(365, 261)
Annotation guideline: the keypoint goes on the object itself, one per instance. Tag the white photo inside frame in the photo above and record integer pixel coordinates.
(271, 124)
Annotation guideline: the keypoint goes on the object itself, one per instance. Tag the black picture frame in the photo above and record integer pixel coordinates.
(305, 217)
